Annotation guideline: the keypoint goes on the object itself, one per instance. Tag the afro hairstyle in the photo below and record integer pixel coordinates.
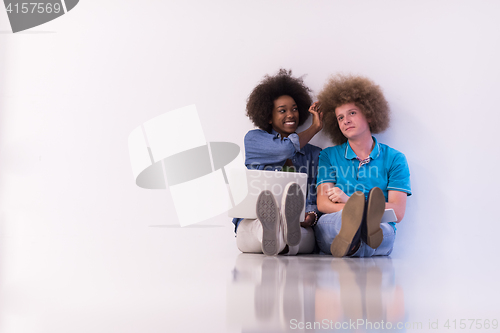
(364, 93)
(260, 103)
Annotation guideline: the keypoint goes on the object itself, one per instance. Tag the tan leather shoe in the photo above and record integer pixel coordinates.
(375, 208)
(352, 216)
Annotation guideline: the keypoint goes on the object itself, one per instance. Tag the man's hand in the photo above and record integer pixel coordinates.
(336, 195)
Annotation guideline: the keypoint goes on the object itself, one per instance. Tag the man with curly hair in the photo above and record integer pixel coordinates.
(277, 106)
(359, 177)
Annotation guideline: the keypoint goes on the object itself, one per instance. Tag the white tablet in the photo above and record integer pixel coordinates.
(389, 216)
(246, 185)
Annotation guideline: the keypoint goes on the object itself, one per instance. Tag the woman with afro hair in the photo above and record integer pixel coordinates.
(359, 177)
(278, 105)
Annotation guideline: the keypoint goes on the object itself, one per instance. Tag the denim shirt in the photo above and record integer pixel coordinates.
(269, 151)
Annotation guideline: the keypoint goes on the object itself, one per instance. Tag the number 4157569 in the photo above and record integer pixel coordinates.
(471, 323)
(33, 7)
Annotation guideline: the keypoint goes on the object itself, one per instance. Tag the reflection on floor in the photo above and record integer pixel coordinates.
(191, 280)
(307, 293)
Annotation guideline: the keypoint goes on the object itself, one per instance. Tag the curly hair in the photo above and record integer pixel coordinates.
(364, 93)
(260, 103)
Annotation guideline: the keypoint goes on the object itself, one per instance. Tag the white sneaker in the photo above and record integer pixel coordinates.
(292, 205)
(269, 215)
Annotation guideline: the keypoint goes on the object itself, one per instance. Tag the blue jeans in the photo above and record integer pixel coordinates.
(329, 226)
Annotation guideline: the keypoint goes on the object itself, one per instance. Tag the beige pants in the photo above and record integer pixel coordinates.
(249, 238)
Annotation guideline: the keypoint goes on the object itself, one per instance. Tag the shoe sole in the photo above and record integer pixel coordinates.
(352, 216)
(292, 205)
(374, 212)
(268, 215)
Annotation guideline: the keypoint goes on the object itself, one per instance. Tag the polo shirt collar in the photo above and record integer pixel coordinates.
(350, 154)
(276, 134)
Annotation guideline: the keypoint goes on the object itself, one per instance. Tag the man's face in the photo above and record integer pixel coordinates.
(352, 122)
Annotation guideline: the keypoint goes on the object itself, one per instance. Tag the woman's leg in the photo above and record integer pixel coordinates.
(306, 244)
(307, 240)
(249, 237)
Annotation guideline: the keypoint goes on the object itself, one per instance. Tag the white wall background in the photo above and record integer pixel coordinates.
(72, 90)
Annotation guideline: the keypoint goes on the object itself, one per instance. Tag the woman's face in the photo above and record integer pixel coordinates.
(352, 122)
(285, 118)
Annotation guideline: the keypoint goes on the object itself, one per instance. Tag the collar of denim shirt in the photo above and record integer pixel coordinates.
(350, 154)
(273, 132)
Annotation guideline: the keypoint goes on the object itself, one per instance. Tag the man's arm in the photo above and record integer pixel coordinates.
(325, 205)
(397, 201)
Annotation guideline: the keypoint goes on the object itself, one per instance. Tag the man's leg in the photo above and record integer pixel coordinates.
(375, 206)
(387, 244)
(327, 228)
(348, 239)
(339, 233)
(384, 249)
(377, 238)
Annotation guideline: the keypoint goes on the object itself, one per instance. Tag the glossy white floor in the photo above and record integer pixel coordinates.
(163, 278)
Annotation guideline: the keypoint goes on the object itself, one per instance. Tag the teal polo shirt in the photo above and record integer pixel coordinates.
(387, 169)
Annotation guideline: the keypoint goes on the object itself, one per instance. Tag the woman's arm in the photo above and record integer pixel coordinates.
(262, 148)
(397, 201)
(316, 126)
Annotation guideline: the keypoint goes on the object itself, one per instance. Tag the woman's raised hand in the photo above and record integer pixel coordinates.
(316, 126)
(317, 116)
